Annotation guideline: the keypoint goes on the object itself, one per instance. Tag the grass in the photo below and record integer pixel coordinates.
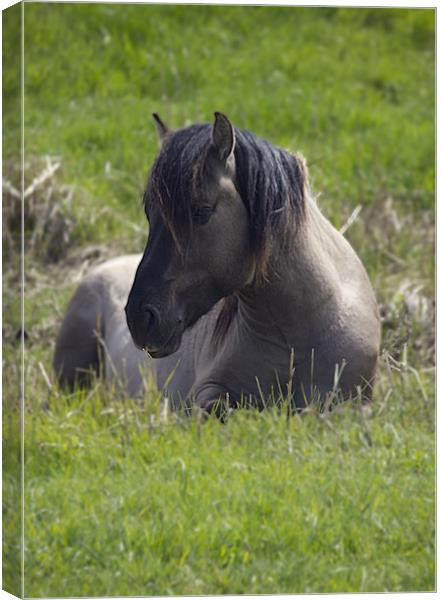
(123, 499)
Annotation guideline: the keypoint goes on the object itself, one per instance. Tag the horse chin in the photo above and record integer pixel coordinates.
(170, 347)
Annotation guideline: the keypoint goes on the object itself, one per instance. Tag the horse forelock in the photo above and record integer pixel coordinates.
(271, 182)
(176, 177)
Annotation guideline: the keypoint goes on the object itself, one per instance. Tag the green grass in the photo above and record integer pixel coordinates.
(352, 89)
(121, 500)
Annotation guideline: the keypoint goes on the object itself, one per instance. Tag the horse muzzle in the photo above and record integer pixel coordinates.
(151, 334)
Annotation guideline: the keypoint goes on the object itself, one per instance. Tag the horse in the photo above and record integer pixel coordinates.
(244, 290)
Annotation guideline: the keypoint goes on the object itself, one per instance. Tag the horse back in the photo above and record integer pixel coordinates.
(86, 339)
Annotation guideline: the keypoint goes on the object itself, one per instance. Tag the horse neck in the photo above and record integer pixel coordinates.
(301, 287)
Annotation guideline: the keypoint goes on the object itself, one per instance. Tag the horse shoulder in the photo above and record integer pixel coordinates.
(243, 365)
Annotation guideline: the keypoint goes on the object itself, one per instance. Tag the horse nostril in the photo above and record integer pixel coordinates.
(151, 316)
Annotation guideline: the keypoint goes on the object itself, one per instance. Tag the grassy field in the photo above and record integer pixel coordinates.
(123, 499)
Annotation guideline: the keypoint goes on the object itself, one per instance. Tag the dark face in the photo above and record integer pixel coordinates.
(172, 290)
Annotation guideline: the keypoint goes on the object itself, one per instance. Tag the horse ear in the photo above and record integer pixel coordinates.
(223, 136)
(162, 129)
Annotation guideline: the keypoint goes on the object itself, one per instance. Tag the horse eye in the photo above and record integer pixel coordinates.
(201, 214)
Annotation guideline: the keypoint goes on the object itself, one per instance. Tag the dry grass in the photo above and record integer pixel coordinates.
(48, 216)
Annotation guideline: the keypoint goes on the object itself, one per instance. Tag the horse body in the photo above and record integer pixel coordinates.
(325, 314)
(94, 334)
(313, 305)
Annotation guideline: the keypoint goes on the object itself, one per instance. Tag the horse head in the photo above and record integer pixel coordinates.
(199, 244)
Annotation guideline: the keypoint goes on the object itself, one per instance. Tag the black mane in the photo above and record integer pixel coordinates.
(270, 180)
